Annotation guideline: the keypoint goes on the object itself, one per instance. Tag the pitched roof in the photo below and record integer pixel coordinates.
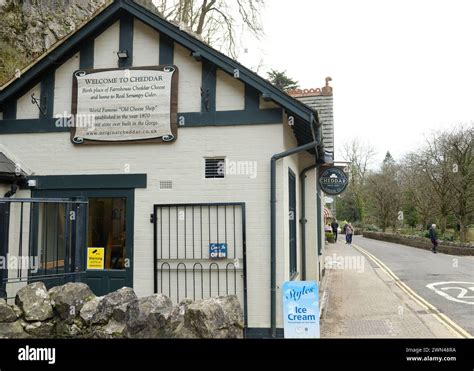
(113, 11)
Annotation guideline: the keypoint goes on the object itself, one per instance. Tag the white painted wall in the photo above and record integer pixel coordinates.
(106, 46)
(181, 162)
(24, 108)
(189, 85)
(146, 45)
(63, 85)
(230, 92)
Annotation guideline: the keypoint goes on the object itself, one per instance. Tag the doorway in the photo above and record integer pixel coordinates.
(109, 220)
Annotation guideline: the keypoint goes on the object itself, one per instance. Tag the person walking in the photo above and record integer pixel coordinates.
(335, 226)
(349, 233)
(433, 239)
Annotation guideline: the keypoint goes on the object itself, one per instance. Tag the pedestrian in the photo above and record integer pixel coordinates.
(349, 233)
(433, 239)
(335, 226)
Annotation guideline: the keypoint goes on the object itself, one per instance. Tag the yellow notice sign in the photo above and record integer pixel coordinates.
(95, 258)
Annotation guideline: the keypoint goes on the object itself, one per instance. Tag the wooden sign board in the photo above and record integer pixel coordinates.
(123, 105)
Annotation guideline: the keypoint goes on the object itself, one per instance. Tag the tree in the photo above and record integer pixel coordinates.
(458, 145)
(359, 156)
(218, 22)
(385, 194)
(434, 161)
(282, 81)
(418, 191)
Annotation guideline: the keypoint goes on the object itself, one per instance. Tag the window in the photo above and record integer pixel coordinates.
(52, 235)
(107, 229)
(215, 168)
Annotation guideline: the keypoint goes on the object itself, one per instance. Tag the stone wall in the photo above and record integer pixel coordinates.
(446, 247)
(73, 311)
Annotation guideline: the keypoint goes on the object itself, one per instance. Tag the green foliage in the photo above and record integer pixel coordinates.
(372, 228)
(410, 214)
(330, 237)
(282, 81)
(10, 60)
(347, 206)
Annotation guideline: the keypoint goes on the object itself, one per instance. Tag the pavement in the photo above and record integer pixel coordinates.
(361, 300)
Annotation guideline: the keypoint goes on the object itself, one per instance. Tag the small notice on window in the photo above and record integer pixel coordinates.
(95, 258)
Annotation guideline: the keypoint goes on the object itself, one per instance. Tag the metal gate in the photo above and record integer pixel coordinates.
(40, 240)
(199, 251)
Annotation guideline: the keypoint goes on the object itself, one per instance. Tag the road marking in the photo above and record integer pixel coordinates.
(441, 317)
(462, 291)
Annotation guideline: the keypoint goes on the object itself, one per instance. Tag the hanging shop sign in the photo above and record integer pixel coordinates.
(95, 258)
(125, 105)
(301, 309)
(218, 250)
(333, 181)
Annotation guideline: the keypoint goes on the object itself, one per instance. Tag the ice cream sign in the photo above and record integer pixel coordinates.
(301, 309)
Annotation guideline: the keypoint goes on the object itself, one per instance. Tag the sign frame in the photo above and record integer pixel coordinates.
(325, 173)
(173, 107)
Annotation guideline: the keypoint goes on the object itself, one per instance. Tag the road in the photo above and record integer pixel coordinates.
(445, 281)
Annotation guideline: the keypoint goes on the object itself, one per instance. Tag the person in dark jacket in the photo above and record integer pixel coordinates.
(334, 227)
(433, 239)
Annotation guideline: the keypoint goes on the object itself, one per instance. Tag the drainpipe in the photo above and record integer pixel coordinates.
(303, 219)
(273, 161)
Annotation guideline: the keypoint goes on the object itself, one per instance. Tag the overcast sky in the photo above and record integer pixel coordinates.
(400, 68)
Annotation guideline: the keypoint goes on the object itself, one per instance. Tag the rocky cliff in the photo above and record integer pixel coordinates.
(30, 27)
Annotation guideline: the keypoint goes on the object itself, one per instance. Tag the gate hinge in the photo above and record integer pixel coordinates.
(152, 218)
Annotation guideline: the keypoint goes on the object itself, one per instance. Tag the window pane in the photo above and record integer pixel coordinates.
(107, 229)
(51, 235)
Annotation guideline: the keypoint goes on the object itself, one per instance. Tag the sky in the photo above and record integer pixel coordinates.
(401, 69)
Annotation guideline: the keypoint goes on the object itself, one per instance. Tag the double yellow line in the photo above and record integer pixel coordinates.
(441, 317)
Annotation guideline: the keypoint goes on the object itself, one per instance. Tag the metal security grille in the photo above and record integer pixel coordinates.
(186, 264)
(45, 239)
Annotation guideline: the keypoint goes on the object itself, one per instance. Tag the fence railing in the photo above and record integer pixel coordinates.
(41, 239)
(184, 264)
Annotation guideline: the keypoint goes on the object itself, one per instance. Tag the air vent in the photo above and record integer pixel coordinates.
(215, 168)
(166, 185)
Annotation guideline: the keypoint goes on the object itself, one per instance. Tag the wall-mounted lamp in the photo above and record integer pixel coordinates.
(122, 54)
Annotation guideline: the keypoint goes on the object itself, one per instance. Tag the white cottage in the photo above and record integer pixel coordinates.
(185, 173)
